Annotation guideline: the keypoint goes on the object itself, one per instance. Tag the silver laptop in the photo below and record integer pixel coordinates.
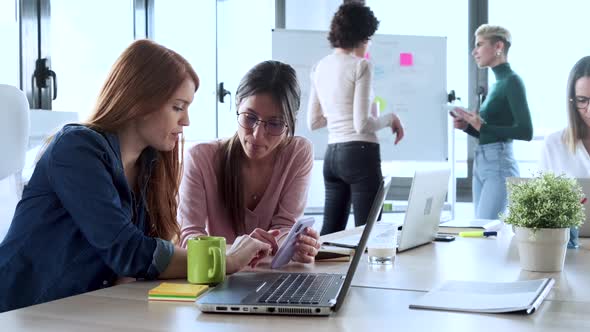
(585, 184)
(425, 203)
(422, 218)
(286, 293)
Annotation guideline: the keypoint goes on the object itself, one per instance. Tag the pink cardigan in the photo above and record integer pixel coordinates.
(201, 211)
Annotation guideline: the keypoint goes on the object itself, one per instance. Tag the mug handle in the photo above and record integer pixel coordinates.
(216, 252)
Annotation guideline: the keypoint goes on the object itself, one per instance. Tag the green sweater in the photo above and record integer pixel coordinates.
(505, 111)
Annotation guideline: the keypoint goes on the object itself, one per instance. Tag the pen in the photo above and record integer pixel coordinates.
(340, 245)
(478, 234)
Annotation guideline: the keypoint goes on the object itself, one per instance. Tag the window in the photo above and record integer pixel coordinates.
(86, 39)
(544, 48)
(244, 38)
(300, 17)
(188, 27)
(9, 63)
(222, 41)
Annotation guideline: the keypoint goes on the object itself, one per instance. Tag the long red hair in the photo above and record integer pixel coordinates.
(141, 81)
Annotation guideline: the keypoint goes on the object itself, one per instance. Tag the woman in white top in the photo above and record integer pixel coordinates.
(566, 151)
(341, 99)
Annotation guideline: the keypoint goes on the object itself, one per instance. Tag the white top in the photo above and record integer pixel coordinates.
(557, 157)
(340, 98)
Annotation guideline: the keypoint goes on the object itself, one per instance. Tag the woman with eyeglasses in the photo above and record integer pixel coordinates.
(503, 117)
(255, 182)
(567, 151)
(341, 99)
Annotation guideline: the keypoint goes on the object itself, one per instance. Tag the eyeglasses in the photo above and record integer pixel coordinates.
(581, 102)
(273, 127)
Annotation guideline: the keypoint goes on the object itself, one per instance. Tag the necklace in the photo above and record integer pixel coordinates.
(255, 197)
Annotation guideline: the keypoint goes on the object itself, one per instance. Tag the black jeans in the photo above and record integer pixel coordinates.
(352, 174)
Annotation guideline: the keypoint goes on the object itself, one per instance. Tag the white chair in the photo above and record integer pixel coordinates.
(14, 133)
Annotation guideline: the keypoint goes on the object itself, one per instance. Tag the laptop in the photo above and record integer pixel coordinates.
(427, 198)
(422, 218)
(286, 293)
(584, 230)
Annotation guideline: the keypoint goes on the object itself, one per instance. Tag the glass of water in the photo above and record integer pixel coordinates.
(382, 243)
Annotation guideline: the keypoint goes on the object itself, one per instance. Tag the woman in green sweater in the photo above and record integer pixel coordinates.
(504, 116)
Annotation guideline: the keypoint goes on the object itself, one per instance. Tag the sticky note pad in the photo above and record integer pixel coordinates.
(368, 56)
(168, 291)
(406, 59)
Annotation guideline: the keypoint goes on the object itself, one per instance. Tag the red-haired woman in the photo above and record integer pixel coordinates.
(102, 201)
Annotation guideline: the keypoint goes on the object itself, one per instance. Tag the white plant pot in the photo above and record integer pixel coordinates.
(542, 250)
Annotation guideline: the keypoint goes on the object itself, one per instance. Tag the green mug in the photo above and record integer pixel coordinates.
(206, 260)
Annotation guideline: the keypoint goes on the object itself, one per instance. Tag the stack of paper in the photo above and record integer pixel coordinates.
(469, 225)
(167, 291)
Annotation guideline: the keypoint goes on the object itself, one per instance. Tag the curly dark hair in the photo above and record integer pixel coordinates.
(351, 25)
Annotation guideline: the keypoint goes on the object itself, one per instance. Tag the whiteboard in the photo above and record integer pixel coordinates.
(409, 78)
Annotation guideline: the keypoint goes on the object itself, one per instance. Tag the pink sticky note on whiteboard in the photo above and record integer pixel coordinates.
(368, 56)
(406, 59)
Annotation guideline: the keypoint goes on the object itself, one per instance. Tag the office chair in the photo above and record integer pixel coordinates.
(14, 133)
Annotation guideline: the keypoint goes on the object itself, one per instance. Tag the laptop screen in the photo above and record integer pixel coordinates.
(371, 219)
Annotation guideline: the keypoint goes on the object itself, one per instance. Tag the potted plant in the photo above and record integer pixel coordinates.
(542, 210)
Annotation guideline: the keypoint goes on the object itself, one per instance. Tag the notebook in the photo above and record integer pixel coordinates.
(334, 254)
(469, 225)
(287, 293)
(172, 292)
(487, 297)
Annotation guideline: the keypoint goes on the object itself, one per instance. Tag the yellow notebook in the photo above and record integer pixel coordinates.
(168, 291)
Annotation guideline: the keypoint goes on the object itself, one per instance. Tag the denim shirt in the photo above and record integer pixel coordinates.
(75, 229)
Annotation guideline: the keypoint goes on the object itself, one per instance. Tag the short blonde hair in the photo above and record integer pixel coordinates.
(495, 33)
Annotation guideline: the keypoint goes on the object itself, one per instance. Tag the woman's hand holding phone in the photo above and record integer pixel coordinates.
(470, 118)
(458, 121)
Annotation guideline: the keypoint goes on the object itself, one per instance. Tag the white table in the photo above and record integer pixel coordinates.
(378, 301)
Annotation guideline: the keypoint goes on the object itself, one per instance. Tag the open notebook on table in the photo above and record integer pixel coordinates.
(486, 297)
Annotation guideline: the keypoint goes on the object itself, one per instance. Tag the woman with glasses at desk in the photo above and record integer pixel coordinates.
(255, 182)
(567, 151)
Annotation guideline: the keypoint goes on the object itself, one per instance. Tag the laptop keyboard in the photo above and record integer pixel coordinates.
(293, 288)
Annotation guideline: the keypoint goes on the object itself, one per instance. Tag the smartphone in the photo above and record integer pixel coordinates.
(287, 249)
(444, 238)
(451, 109)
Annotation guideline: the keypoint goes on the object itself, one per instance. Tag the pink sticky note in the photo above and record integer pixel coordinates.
(406, 59)
(368, 56)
